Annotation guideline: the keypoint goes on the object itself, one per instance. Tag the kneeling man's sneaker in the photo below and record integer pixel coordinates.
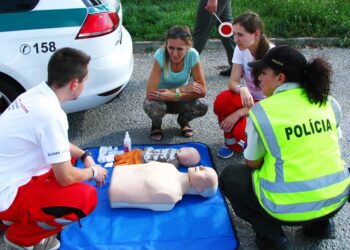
(49, 243)
(224, 152)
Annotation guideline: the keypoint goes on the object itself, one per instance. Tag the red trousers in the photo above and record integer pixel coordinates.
(225, 104)
(42, 208)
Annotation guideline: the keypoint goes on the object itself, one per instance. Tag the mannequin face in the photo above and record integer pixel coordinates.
(188, 156)
(202, 177)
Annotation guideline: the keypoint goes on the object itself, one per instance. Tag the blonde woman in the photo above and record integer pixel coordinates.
(168, 88)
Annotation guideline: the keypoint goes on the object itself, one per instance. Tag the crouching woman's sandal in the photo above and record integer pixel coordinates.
(186, 131)
(156, 134)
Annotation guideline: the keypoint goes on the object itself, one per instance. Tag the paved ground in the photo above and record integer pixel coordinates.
(106, 125)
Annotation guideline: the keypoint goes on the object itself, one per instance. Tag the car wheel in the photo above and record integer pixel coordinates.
(9, 90)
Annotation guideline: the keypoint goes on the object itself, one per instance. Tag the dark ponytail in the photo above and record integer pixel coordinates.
(263, 47)
(316, 80)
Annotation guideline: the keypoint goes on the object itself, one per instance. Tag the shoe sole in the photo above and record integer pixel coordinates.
(321, 236)
(28, 248)
(224, 157)
(14, 245)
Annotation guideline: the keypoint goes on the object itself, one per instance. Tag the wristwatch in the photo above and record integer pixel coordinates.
(94, 173)
(84, 155)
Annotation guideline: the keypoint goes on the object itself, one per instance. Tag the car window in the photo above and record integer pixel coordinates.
(90, 3)
(17, 5)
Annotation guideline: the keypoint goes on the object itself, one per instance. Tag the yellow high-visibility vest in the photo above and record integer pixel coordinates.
(303, 176)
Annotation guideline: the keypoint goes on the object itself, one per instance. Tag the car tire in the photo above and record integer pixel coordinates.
(9, 90)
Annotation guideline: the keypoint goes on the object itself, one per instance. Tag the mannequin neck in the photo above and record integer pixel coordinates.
(190, 189)
(185, 183)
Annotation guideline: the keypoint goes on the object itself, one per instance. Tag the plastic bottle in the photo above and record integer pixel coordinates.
(127, 142)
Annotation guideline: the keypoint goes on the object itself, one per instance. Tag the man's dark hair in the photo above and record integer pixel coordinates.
(65, 65)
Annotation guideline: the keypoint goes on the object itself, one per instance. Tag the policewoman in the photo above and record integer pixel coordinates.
(293, 173)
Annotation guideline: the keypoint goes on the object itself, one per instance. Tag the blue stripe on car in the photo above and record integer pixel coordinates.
(42, 19)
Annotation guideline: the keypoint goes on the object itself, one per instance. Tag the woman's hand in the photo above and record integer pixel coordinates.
(195, 88)
(161, 95)
(228, 123)
(246, 97)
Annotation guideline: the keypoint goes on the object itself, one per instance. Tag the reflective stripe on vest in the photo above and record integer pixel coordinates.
(302, 207)
(269, 189)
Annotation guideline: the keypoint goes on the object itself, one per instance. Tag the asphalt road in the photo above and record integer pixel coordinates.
(107, 124)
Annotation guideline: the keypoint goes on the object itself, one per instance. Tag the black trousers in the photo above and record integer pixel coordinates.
(205, 22)
(236, 184)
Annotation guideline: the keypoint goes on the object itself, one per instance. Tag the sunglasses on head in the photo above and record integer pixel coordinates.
(178, 33)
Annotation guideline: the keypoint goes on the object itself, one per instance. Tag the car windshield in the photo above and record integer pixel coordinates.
(90, 3)
(17, 5)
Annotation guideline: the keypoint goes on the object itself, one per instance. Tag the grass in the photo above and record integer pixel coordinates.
(148, 20)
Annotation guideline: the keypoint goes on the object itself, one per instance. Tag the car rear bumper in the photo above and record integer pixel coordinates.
(108, 76)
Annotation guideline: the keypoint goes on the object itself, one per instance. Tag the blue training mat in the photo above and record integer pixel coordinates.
(195, 223)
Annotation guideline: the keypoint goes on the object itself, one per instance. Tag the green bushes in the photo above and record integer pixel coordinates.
(149, 19)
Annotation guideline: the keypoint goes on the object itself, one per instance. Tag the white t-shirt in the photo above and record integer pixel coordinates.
(243, 57)
(34, 134)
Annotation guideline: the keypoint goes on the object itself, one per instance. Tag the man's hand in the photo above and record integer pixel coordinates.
(101, 175)
(212, 6)
(100, 171)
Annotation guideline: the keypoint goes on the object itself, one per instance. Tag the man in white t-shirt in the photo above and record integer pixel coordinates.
(41, 192)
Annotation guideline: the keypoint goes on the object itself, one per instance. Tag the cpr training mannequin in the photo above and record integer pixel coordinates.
(186, 156)
(158, 186)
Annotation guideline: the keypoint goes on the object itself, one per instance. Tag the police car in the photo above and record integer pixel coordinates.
(32, 30)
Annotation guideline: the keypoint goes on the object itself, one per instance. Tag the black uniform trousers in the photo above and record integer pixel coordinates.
(236, 184)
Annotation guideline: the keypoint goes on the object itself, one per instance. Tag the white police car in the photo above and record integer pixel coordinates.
(32, 30)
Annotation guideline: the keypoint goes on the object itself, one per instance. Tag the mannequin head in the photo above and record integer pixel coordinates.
(188, 156)
(204, 180)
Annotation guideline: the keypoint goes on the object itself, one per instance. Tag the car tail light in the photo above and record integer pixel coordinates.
(99, 24)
